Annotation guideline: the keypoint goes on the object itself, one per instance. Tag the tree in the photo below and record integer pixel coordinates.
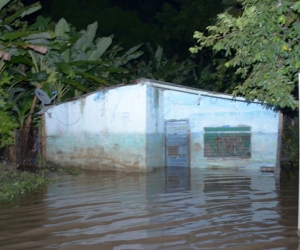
(162, 69)
(263, 46)
(179, 19)
(7, 122)
(125, 25)
(60, 59)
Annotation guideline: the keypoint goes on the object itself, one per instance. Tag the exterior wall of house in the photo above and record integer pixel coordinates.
(123, 128)
(155, 136)
(208, 111)
(104, 130)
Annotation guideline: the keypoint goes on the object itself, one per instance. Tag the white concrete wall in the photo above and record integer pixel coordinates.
(104, 130)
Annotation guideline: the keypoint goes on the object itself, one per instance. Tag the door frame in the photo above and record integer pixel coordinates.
(188, 140)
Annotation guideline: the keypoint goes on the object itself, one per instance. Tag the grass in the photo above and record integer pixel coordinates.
(15, 184)
(69, 170)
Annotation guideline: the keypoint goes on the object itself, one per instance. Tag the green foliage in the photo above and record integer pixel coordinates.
(180, 18)
(7, 122)
(69, 170)
(85, 62)
(262, 46)
(215, 76)
(180, 22)
(15, 184)
(162, 69)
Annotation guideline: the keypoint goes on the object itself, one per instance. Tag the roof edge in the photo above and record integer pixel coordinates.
(186, 89)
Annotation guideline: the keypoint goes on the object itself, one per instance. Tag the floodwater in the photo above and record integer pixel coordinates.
(166, 209)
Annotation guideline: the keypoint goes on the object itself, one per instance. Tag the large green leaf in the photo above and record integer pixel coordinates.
(64, 68)
(31, 10)
(21, 60)
(134, 55)
(40, 41)
(81, 41)
(21, 13)
(22, 96)
(75, 84)
(91, 32)
(133, 49)
(27, 35)
(93, 77)
(82, 63)
(62, 28)
(40, 76)
(158, 56)
(14, 90)
(71, 42)
(41, 24)
(78, 56)
(67, 55)
(101, 47)
(3, 3)
(43, 35)
(170, 63)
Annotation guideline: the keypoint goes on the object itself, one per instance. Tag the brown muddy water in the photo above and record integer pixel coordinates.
(165, 209)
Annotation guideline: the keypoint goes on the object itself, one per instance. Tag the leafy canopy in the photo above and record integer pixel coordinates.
(263, 46)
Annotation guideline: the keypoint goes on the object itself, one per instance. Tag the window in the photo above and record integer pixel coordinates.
(227, 142)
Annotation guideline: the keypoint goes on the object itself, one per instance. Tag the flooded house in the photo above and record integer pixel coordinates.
(152, 124)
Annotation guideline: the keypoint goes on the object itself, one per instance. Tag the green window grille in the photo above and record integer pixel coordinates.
(227, 142)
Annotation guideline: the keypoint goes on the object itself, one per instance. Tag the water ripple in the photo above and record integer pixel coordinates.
(165, 209)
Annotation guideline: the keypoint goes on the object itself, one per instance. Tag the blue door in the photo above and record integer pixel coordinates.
(177, 143)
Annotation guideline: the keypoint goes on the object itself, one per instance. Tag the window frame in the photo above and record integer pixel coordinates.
(227, 142)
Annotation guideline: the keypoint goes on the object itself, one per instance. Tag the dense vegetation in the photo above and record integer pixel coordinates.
(262, 46)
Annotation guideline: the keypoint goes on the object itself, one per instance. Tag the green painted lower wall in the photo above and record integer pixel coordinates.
(155, 150)
(118, 152)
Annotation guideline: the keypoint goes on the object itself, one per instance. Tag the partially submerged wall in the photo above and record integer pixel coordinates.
(104, 130)
(155, 128)
(208, 111)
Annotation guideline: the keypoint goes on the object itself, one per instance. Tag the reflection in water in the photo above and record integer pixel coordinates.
(171, 208)
(177, 179)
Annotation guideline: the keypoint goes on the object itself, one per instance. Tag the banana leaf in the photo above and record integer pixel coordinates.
(82, 63)
(101, 47)
(81, 41)
(76, 85)
(3, 3)
(26, 11)
(26, 35)
(133, 49)
(14, 90)
(61, 28)
(64, 68)
(71, 42)
(95, 78)
(170, 63)
(42, 35)
(41, 24)
(91, 33)
(158, 56)
(40, 76)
